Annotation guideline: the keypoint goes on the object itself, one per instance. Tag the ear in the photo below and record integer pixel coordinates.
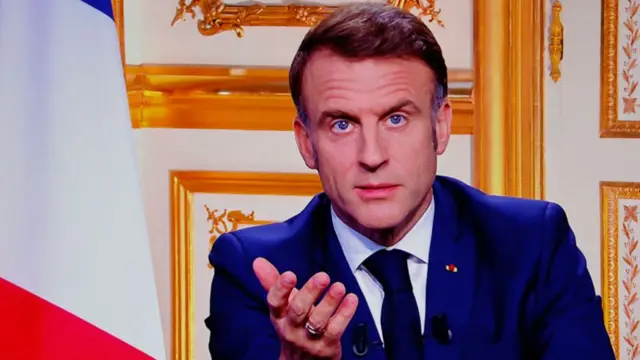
(303, 140)
(443, 126)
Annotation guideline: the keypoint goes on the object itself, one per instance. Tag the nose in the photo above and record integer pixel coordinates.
(372, 154)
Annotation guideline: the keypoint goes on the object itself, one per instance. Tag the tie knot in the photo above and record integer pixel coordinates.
(390, 268)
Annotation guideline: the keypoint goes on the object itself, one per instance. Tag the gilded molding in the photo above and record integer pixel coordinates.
(610, 195)
(619, 87)
(217, 17)
(118, 15)
(183, 186)
(159, 97)
(556, 41)
(508, 97)
(209, 97)
(224, 221)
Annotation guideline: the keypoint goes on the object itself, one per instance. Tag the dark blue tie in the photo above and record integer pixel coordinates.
(401, 328)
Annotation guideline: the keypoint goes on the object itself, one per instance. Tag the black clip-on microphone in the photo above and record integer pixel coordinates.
(440, 329)
(359, 339)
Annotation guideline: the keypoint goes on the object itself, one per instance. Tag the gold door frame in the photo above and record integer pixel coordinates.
(508, 140)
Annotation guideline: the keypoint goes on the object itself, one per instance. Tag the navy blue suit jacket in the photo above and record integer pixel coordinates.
(522, 289)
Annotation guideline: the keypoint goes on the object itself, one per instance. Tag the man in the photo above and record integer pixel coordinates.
(392, 261)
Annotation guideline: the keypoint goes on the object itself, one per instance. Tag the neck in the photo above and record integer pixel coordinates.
(390, 236)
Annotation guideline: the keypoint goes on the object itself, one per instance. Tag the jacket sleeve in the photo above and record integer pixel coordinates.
(569, 317)
(238, 321)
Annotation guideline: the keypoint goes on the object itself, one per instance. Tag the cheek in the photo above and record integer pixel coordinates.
(414, 154)
(337, 159)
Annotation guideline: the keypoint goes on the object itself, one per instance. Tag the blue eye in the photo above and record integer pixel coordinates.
(397, 120)
(341, 125)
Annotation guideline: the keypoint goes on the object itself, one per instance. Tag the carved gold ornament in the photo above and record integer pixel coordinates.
(556, 40)
(228, 221)
(620, 266)
(215, 16)
(619, 117)
(629, 282)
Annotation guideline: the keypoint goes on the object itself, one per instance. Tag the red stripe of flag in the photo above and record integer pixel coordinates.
(33, 328)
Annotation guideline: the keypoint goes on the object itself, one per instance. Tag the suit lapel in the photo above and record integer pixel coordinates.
(451, 276)
(362, 327)
(450, 283)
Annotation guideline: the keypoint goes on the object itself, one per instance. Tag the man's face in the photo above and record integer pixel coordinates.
(370, 136)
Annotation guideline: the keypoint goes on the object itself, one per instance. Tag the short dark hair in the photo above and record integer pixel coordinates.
(370, 30)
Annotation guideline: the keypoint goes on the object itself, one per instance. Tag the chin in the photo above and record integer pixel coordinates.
(382, 216)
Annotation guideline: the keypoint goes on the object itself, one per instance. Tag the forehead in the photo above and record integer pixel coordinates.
(333, 81)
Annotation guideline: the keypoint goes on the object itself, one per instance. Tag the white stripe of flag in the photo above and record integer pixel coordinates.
(76, 276)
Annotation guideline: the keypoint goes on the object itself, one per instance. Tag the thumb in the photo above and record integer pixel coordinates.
(267, 273)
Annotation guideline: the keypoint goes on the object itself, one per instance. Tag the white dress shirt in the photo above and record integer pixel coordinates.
(358, 248)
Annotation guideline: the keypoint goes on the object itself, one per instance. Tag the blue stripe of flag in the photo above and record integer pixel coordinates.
(104, 6)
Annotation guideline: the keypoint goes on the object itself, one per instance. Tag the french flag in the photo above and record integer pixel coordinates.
(76, 275)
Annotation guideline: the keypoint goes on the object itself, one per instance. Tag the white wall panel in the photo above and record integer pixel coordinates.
(577, 158)
(133, 31)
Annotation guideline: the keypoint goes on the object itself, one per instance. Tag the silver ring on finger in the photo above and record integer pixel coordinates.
(314, 332)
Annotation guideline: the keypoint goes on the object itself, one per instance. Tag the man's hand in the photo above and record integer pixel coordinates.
(293, 313)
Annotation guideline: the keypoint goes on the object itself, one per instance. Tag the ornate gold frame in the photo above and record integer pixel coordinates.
(218, 17)
(610, 193)
(210, 97)
(610, 125)
(184, 184)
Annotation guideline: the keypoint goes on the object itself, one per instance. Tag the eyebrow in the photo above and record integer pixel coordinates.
(340, 114)
(331, 114)
(407, 104)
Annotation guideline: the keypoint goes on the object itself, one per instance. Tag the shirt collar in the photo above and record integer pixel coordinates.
(357, 248)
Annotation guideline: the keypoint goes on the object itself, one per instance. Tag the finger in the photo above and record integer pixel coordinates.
(320, 314)
(292, 294)
(278, 296)
(339, 321)
(267, 273)
(302, 302)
